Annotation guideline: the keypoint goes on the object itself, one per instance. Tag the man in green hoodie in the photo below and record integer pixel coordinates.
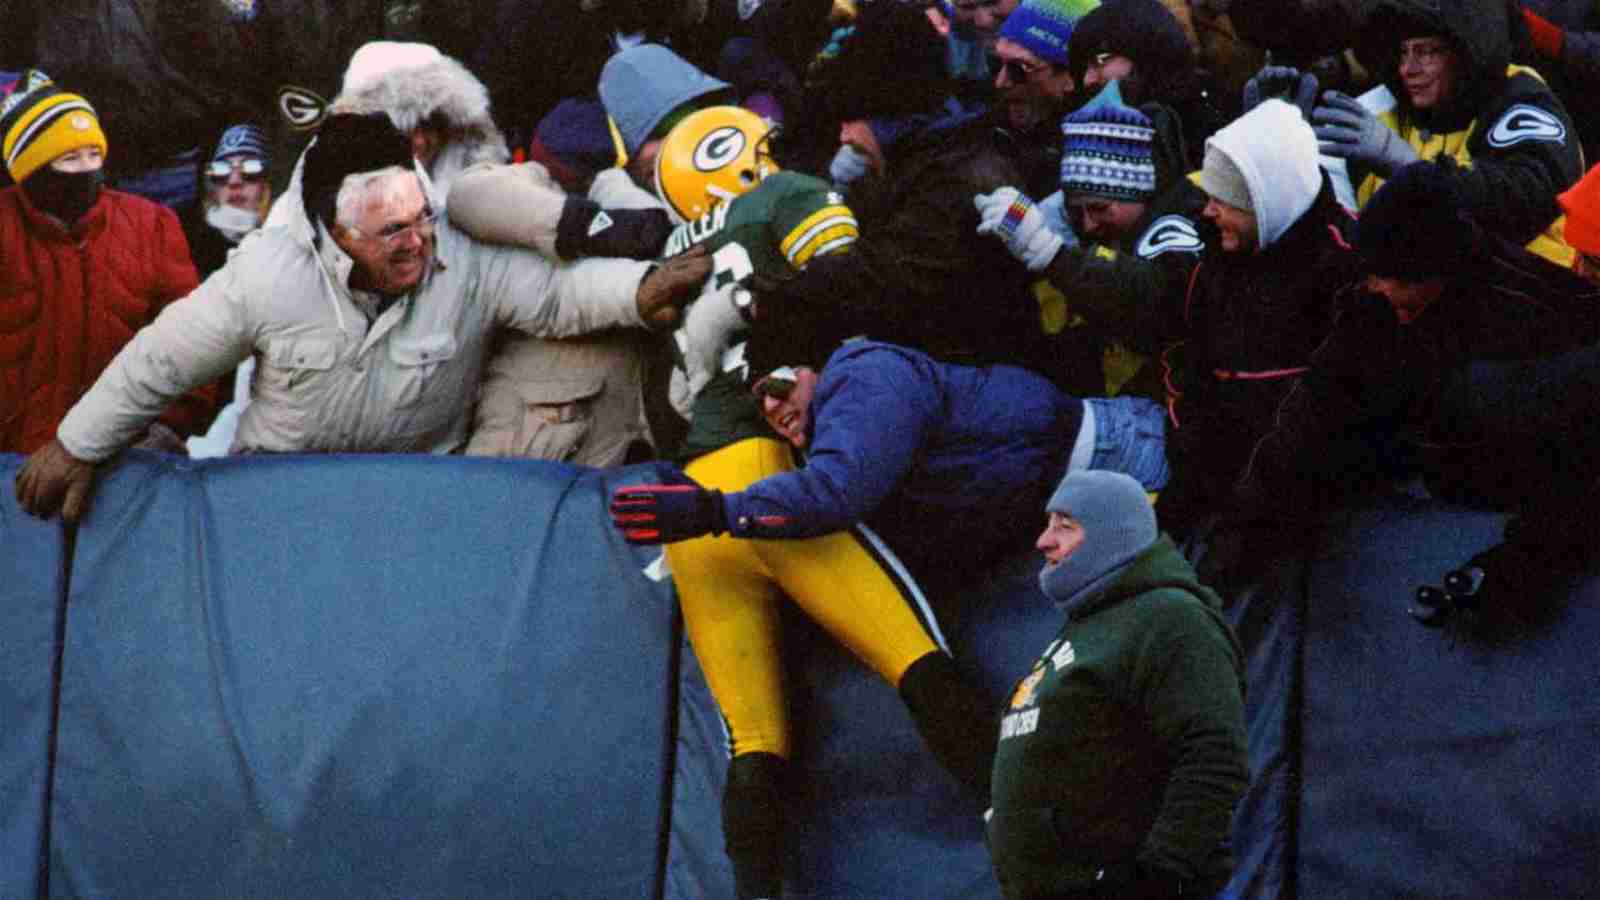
(1123, 751)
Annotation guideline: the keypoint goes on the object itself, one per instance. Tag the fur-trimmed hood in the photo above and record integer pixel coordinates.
(415, 84)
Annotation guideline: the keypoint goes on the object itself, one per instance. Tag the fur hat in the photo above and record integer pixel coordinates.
(416, 85)
(1414, 227)
(1045, 27)
(1107, 150)
(40, 122)
(348, 144)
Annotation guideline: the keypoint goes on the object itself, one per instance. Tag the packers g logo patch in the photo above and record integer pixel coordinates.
(1527, 123)
(1169, 233)
(718, 148)
(302, 109)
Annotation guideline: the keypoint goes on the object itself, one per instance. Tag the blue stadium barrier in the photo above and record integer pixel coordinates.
(31, 556)
(441, 677)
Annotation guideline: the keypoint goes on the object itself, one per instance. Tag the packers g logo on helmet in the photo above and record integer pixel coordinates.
(710, 157)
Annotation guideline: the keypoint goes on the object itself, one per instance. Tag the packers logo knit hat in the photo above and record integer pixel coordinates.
(39, 122)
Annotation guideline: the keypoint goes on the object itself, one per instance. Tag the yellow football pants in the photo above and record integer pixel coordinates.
(729, 590)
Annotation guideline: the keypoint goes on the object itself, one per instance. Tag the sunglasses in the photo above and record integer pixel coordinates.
(219, 171)
(1016, 70)
(777, 384)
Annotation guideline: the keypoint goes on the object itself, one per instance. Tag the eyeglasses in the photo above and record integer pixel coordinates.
(219, 171)
(1101, 60)
(777, 384)
(1426, 52)
(392, 235)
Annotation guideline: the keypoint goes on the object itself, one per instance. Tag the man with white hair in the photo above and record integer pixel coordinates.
(371, 324)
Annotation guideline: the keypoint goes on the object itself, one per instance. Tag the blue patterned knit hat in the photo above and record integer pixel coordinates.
(1045, 26)
(246, 139)
(1107, 152)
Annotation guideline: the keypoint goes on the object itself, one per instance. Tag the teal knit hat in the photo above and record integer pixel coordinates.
(1045, 26)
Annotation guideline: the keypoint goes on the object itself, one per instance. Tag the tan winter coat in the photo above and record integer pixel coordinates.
(326, 379)
(577, 400)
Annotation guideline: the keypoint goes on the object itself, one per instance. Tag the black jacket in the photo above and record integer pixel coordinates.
(920, 275)
(1374, 377)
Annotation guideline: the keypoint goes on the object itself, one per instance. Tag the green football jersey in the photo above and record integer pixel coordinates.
(774, 230)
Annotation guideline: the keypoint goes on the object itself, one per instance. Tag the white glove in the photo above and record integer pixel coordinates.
(849, 166)
(708, 328)
(1011, 216)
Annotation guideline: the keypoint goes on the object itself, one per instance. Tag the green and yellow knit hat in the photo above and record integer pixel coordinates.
(39, 122)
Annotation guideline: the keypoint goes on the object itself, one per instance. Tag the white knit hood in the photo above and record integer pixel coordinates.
(1276, 152)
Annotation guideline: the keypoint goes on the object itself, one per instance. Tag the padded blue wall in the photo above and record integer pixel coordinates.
(423, 677)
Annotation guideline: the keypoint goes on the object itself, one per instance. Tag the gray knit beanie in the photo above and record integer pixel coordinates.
(1118, 524)
(1220, 177)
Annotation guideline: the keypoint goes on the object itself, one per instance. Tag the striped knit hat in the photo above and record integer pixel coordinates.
(39, 122)
(1045, 26)
(1107, 152)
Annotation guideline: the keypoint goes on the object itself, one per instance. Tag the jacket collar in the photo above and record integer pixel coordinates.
(47, 227)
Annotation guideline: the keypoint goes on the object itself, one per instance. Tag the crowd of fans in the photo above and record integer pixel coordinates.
(879, 276)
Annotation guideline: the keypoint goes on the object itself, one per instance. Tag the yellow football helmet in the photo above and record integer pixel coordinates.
(712, 156)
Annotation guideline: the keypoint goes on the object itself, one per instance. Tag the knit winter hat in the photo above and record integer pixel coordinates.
(1220, 177)
(1118, 524)
(1145, 31)
(39, 122)
(1581, 202)
(1414, 227)
(1107, 151)
(641, 85)
(575, 141)
(348, 144)
(1044, 27)
(246, 140)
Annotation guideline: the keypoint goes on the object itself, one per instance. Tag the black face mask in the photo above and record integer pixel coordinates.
(65, 195)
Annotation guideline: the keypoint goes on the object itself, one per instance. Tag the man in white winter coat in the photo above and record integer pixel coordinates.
(370, 327)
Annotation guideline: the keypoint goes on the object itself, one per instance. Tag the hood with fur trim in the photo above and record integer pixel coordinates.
(415, 84)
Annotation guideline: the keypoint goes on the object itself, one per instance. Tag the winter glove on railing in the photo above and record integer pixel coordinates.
(675, 509)
(1013, 217)
(1299, 88)
(1349, 131)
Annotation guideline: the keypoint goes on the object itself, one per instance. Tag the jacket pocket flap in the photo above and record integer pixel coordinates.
(303, 353)
(556, 391)
(423, 350)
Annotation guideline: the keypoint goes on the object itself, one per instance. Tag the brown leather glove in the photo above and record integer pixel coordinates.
(53, 480)
(672, 284)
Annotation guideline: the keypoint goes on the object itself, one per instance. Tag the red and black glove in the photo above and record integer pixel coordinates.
(1546, 36)
(675, 509)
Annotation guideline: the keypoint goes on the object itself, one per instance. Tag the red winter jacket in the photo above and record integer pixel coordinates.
(70, 300)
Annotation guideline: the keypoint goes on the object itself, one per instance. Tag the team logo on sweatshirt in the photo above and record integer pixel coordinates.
(1169, 233)
(1527, 123)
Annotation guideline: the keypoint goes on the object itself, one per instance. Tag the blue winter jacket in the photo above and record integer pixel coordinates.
(923, 451)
